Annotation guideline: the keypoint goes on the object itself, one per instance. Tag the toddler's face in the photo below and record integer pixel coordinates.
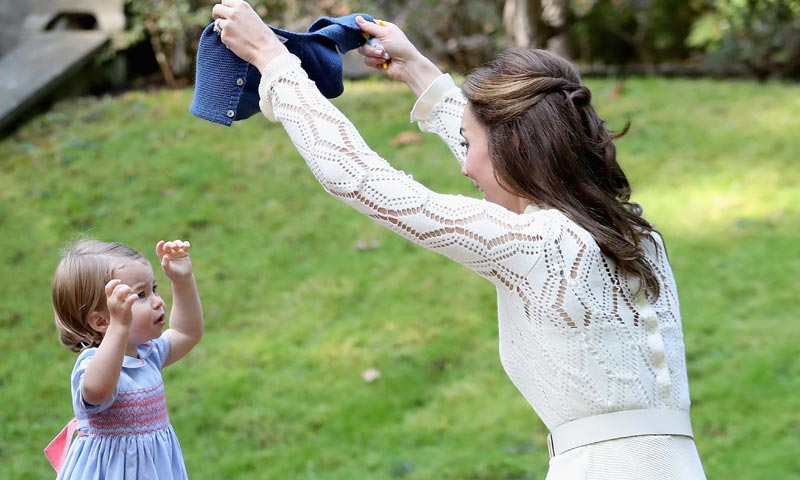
(149, 310)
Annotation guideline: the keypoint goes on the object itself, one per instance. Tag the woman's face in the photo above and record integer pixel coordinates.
(479, 168)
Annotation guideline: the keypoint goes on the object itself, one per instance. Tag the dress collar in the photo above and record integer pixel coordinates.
(144, 350)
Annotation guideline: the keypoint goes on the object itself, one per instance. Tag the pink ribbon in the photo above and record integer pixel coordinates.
(56, 450)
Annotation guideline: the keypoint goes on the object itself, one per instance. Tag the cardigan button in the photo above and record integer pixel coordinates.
(650, 325)
(230, 113)
(240, 81)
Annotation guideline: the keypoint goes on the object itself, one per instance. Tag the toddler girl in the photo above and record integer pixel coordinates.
(107, 307)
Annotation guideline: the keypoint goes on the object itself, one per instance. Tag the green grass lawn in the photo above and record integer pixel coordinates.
(302, 294)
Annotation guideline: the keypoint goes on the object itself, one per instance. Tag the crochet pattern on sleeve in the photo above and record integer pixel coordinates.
(574, 337)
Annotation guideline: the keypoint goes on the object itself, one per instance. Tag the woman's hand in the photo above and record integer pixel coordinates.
(402, 59)
(245, 34)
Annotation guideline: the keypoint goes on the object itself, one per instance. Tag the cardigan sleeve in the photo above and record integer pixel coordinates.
(480, 235)
(573, 337)
(439, 110)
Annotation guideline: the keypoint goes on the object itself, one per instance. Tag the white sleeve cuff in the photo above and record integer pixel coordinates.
(269, 73)
(431, 96)
(277, 65)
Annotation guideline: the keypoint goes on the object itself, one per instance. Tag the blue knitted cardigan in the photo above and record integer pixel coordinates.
(226, 87)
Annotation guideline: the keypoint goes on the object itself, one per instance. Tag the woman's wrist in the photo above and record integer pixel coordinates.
(421, 73)
(268, 53)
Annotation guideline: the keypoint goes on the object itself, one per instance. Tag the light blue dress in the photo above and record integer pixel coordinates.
(129, 437)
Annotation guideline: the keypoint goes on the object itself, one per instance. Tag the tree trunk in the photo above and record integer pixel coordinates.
(556, 16)
(517, 22)
(538, 24)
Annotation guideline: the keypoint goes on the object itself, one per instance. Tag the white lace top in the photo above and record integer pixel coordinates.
(574, 338)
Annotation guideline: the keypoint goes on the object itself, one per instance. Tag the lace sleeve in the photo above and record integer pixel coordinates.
(439, 110)
(478, 234)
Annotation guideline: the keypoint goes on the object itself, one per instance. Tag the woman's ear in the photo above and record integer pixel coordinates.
(98, 321)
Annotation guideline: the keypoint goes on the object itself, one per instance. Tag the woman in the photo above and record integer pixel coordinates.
(590, 329)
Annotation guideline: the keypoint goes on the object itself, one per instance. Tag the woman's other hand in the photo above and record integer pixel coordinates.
(401, 58)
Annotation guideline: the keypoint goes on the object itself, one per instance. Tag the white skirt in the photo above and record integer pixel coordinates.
(648, 457)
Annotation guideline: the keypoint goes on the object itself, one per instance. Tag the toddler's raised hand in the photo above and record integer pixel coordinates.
(174, 257)
(120, 298)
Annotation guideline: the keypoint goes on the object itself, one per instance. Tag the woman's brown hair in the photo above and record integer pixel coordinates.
(548, 144)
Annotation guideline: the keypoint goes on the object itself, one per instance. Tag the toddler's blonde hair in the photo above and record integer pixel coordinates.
(79, 282)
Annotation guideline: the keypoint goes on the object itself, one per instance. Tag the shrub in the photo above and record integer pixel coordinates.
(761, 35)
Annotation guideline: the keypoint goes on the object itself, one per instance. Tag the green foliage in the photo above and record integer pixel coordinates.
(172, 28)
(617, 32)
(302, 294)
(761, 35)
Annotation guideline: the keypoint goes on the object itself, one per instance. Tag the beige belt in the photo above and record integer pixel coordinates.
(610, 426)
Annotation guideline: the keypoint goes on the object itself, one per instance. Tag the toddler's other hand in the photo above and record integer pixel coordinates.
(120, 298)
(174, 258)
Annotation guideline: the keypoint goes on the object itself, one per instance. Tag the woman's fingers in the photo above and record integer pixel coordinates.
(375, 62)
(220, 11)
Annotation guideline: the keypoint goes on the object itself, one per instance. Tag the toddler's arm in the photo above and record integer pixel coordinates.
(102, 373)
(186, 316)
